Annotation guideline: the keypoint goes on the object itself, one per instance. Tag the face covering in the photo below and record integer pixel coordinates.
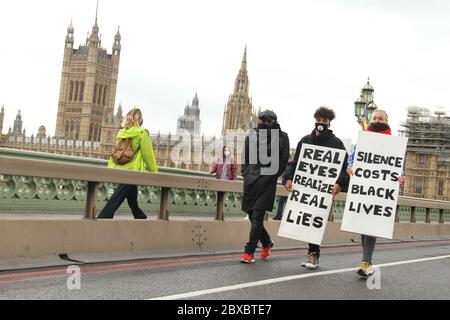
(321, 127)
(227, 153)
(378, 126)
(264, 126)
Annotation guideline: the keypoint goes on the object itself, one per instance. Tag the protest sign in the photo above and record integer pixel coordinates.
(373, 192)
(306, 212)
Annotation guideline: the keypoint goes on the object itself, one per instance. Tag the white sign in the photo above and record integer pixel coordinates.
(373, 192)
(306, 212)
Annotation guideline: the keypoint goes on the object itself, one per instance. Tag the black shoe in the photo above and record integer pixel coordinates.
(141, 217)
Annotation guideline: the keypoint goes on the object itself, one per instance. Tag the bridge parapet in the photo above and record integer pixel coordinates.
(29, 178)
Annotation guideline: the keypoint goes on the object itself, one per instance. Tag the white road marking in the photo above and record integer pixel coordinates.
(284, 279)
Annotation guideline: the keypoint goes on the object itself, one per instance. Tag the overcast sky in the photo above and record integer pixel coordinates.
(301, 55)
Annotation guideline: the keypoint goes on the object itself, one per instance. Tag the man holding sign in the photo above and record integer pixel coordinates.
(375, 166)
(317, 174)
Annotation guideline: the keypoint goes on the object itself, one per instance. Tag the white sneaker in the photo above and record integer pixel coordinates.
(312, 263)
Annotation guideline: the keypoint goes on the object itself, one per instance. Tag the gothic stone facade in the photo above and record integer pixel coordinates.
(88, 88)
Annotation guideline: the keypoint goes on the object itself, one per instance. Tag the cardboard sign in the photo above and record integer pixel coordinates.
(373, 192)
(306, 212)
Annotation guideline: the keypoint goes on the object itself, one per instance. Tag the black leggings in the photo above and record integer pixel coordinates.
(314, 248)
(124, 191)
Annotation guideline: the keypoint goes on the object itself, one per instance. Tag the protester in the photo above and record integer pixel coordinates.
(260, 178)
(378, 124)
(225, 166)
(320, 136)
(143, 158)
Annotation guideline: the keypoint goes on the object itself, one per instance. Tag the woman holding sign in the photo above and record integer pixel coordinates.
(378, 124)
(321, 136)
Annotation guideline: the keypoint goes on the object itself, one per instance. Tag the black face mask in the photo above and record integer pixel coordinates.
(321, 127)
(263, 125)
(378, 126)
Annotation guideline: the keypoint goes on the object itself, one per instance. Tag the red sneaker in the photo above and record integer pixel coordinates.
(265, 253)
(246, 258)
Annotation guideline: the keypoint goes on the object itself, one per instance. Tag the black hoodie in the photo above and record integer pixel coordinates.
(259, 190)
(326, 139)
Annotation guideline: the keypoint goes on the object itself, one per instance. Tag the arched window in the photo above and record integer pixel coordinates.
(81, 91)
(440, 190)
(66, 132)
(91, 128)
(104, 95)
(97, 136)
(94, 133)
(75, 96)
(95, 93)
(418, 185)
(77, 130)
(71, 91)
(72, 128)
(100, 93)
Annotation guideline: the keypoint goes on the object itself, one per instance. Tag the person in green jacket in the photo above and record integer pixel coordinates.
(143, 159)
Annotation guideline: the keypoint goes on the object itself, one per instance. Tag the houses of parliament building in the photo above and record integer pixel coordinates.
(87, 123)
(86, 120)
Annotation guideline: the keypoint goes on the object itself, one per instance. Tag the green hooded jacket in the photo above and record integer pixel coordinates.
(143, 150)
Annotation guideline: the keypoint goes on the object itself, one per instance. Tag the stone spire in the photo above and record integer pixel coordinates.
(94, 39)
(241, 84)
(117, 46)
(2, 115)
(17, 128)
(190, 120)
(239, 111)
(69, 37)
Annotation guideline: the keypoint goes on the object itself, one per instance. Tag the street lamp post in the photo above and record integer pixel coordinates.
(364, 106)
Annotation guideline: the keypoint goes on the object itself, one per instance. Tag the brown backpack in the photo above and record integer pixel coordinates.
(122, 152)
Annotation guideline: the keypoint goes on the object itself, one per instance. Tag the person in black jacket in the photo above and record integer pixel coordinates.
(265, 157)
(321, 136)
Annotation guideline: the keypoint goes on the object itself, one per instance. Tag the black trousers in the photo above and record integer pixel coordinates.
(314, 248)
(124, 191)
(257, 231)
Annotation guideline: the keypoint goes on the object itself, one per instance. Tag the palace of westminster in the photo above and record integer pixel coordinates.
(86, 124)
